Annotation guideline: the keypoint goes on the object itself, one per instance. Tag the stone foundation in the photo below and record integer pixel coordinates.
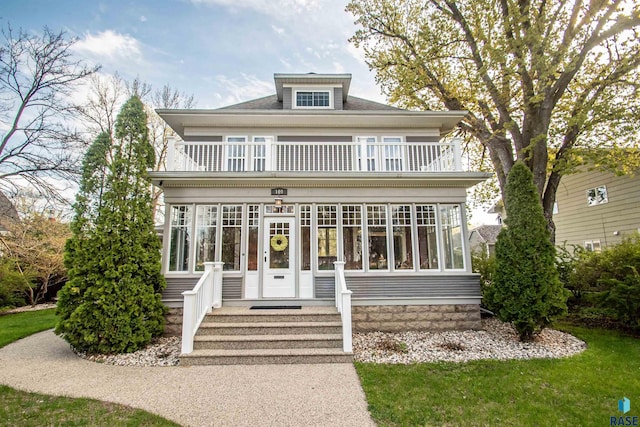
(173, 322)
(396, 318)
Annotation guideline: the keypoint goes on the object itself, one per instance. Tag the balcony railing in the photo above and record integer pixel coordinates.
(314, 156)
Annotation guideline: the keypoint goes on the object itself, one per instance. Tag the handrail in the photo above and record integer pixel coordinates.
(207, 293)
(330, 156)
(343, 304)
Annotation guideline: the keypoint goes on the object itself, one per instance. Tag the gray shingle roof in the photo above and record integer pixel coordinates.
(489, 233)
(270, 102)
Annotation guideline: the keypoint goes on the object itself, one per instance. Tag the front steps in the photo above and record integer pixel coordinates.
(240, 336)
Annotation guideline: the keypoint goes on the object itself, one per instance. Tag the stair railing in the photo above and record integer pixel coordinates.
(199, 301)
(343, 304)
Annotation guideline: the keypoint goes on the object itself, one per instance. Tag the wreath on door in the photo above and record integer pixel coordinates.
(279, 242)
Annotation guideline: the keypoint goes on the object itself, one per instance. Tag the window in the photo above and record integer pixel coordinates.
(231, 236)
(352, 237)
(305, 236)
(206, 220)
(313, 99)
(236, 152)
(180, 244)
(252, 250)
(377, 237)
(392, 154)
(259, 152)
(327, 236)
(593, 246)
(427, 238)
(402, 239)
(450, 221)
(597, 196)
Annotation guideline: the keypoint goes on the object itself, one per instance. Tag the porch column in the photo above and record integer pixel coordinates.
(217, 284)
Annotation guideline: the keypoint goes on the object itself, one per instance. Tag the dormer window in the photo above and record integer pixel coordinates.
(313, 99)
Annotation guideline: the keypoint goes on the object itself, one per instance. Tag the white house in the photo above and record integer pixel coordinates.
(290, 190)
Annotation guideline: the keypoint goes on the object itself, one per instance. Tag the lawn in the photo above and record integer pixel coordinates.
(18, 408)
(582, 390)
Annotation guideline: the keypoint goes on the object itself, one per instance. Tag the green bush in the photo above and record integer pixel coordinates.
(484, 265)
(526, 289)
(112, 302)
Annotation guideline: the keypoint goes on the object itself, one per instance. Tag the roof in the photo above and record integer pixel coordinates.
(353, 103)
(8, 212)
(488, 233)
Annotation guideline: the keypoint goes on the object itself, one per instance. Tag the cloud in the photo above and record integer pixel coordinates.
(277, 8)
(229, 91)
(277, 30)
(108, 44)
(143, 18)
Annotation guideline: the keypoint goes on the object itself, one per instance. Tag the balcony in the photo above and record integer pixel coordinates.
(276, 156)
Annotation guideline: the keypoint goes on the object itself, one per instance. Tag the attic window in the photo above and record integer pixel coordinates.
(597, 196)
(313, 99)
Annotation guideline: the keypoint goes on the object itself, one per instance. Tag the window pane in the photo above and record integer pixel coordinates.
(180, 243)
(327, 236)
(206, 220)
(377, 237)
(452, 237)
(427, 239)
(252, 249)
(231, 237)
(402, 239)
(305, 238)
(279, 249)
(312, 99)
(352, 237)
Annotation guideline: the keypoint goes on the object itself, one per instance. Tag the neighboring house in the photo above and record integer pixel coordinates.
(597, 209)
(282, 187)
(8, 212)
(483, 238)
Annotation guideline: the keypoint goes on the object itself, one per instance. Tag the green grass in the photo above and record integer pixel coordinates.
(20, 325)
(18, 408)
(582, 390)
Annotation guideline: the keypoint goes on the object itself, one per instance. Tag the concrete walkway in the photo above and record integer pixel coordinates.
(265, 395)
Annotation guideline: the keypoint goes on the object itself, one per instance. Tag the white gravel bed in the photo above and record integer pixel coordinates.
(496, 340)
(163, 351)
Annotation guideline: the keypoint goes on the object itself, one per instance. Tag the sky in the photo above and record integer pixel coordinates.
(221, 51)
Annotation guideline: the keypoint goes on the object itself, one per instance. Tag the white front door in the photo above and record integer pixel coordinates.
(279, 280)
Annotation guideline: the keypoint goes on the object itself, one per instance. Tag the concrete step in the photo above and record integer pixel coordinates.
(265, 356)
(270, 328)
(245, 342)
(245, 315)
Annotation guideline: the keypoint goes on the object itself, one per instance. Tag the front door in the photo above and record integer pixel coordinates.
(279, 280)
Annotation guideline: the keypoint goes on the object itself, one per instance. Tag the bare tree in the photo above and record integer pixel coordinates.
(37, 76)
(105, 97)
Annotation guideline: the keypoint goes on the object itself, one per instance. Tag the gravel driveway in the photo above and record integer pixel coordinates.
(265, 395)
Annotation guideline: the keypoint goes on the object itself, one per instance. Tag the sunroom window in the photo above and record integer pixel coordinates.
(180, 245)
(352, 237)
(206, 220)
(450, 221)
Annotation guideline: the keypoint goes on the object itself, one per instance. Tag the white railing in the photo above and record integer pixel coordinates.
(207, 293)
(343, 304)
(280, 156)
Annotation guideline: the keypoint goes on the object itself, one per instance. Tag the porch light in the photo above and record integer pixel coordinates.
(278, 201)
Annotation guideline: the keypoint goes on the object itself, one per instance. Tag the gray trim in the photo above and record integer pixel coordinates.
(395, 286)
(176, 286)
(232, 287)
(196, 138)
(415, 139)
(315, 138)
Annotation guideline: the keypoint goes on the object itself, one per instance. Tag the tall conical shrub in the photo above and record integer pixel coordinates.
(112, 302)
(526, 288)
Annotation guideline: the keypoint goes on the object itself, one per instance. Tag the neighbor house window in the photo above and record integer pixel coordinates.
(327, 236)
(231, 236)
(402, 239)
(593, 246)
(450, 221)
(180, 244)
(206, 220)
(352, 237)
(313, 98)
(377, 237)
(597, 196)
(427, 237)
